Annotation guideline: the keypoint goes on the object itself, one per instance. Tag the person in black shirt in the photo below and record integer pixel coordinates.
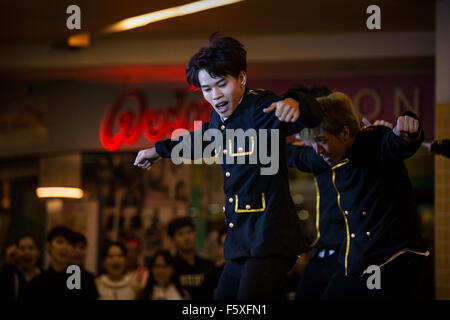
(370, 186)
(15, 276)
(330, 228)
(193, 272)
(52, 283)
(79, 243)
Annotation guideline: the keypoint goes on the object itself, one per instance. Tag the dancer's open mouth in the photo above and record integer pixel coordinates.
(222, 107)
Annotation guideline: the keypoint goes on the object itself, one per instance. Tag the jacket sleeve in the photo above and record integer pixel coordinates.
(441, 147)
(305, 159)
(190, 145)
(395, 148)
(310, 114)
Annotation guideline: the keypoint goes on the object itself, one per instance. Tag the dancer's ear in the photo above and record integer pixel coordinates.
(345, 133)
(242, 79)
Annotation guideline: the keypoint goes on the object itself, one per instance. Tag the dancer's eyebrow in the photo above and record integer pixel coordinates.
(217, 83)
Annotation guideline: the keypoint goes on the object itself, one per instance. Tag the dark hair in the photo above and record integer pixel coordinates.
(60, 231)
(338, 111)
(165, 254)
(78, 237)
(178, 223)
(113, 244)
(221, 57)
(27, 235)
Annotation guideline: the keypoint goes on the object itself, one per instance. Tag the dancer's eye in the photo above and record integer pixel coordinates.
(321, 141)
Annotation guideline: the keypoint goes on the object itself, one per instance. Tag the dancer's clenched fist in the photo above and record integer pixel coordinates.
(286, 110)
(146, 158)
(407, 127)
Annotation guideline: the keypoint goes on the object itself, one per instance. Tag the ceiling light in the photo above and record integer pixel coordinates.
(142, 20)
(59, 192)
(83, 39)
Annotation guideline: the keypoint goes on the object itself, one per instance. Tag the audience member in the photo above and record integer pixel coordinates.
(17, 273)
(193, 271)
(52, 283)
(163, 283)
(115, 284)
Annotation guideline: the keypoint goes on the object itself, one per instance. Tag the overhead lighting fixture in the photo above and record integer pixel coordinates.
(143, 20)
(83, 39)
(59, 192)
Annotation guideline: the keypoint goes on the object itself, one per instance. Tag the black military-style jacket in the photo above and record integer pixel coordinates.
(374, 195)
(330, 224)
(259, 211)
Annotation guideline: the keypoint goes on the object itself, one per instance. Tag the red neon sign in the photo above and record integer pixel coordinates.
(156, 124)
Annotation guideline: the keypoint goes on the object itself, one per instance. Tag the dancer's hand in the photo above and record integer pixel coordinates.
(146, 158)
(286, 110)
(407, 127)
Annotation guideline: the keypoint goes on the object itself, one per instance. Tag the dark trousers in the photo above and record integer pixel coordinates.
(316, 276)
(248, 279)
(398, 282)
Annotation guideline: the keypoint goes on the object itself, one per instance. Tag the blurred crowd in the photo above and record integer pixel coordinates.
(164, 276)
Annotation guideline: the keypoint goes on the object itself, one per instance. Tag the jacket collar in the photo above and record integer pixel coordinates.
(239, 109)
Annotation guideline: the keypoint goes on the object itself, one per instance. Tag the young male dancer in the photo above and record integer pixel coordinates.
(264, 237)
(363, 170)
